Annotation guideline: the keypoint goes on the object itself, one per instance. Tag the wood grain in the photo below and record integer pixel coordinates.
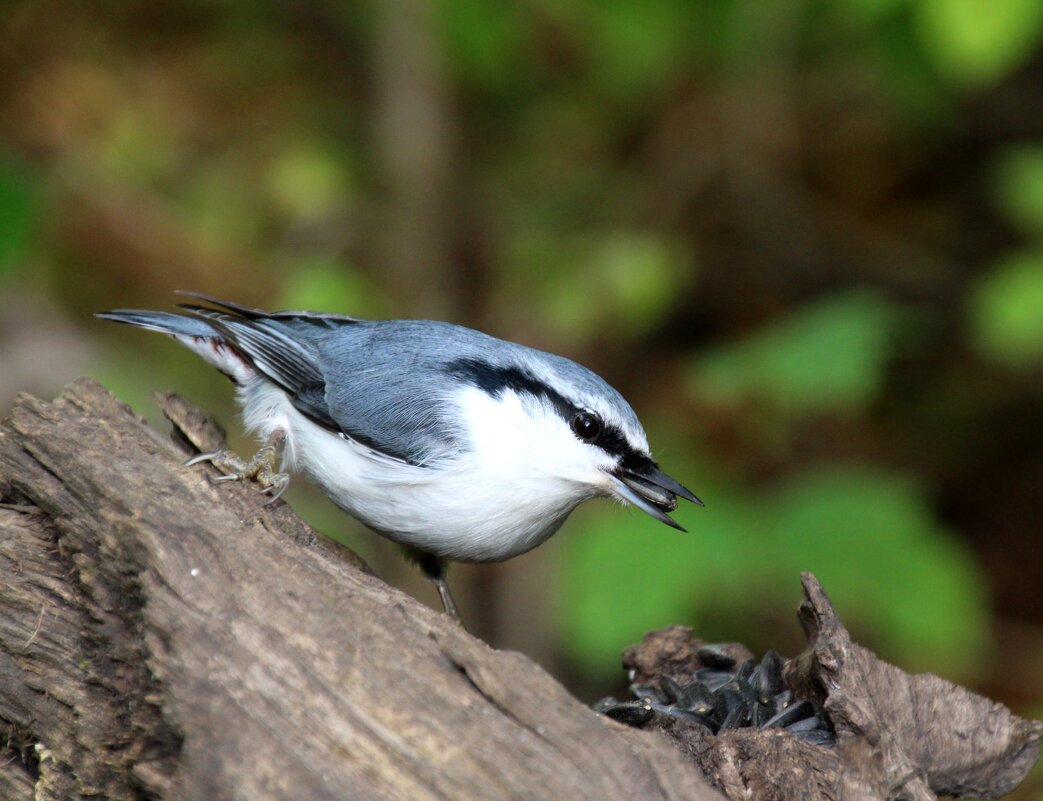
(163, 637)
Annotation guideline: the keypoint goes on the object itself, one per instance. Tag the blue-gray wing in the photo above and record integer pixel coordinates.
(387, 381)
(379, 383)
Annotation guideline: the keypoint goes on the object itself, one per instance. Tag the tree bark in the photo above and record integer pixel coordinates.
(899, 736)
(163, 637)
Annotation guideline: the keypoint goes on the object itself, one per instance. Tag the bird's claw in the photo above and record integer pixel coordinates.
(274, 484)
(260, 468)
(207, 457)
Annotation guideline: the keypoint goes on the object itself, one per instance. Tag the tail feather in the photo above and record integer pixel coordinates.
(239, 310)
(164, 322)
(195, 333)
(268, 346)
(235, 308)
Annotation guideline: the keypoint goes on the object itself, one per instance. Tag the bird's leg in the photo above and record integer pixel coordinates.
(434, 569)
(260, 468)
(447, 597)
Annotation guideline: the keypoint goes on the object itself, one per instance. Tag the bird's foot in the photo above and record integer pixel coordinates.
(447, 599)
(434, 568)
(260, 468)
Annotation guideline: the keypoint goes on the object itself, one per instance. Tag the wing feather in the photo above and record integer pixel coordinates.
(261, 314)
(286, 351)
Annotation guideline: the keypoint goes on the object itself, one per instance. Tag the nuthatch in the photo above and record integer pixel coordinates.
(457, 445)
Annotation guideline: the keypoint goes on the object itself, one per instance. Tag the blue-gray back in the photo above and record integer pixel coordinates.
(388, 384)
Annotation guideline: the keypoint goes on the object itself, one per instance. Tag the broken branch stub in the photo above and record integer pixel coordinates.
(909, 731)
(892, 735)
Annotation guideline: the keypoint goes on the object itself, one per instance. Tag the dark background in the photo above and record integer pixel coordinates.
(804, 238)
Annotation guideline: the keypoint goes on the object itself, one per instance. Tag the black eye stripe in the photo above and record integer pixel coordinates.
(495, 379)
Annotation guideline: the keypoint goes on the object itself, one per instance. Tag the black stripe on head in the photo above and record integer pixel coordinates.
(496, 379)
(611, 439)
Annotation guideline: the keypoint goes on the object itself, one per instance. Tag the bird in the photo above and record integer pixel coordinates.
(456, 445)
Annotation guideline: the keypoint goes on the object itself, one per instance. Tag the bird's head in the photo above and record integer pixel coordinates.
(557, 421)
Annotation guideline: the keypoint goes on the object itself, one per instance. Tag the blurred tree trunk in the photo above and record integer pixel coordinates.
(414, 145)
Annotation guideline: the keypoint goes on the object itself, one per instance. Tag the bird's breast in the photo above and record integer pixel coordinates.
(474, 507)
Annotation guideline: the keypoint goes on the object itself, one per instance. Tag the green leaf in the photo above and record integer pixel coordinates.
(19, 208)
(1019, 186)
(891, 570)
(830, 356)
(900, 581)
(134, 149)
(975, 44)
(637, 44)
(308, 180)
(1006, 311)
(324, 284)
(625, 281)
(642, 275)
(484, 41)
(625, 573)
(220, 206)
(870, 11)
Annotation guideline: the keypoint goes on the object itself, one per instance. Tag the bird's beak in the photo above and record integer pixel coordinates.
(652, 491)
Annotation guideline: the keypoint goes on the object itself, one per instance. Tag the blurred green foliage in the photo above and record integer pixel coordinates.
(973, 48)
(622, 281)
(19, 210)
(316, 282)
(831, 356)
(1007, 310)
(867, 534)
(1019, 187)
(804, 239)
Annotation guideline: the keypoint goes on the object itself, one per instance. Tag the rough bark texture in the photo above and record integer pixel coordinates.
(163, 637)
(912, 736)
(899, 736)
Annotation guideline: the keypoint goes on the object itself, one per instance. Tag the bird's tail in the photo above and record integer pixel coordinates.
(164, 322)
(195, 333)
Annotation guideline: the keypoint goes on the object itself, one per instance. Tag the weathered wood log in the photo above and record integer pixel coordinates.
(162, 637)
(897, 735)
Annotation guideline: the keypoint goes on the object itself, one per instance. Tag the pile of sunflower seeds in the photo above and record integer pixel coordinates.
(724, 695)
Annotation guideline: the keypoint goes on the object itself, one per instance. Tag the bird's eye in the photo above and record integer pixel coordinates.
(586, 425)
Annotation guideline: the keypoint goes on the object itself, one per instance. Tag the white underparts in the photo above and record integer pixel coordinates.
(217, 354)
(518, 477)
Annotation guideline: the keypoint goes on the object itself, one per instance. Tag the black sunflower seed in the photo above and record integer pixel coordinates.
(649, 692)
(631, 713)
(736, 719)
(769, 678)
(686, 715)
(730, 708)
(790, 714)
(716, 656)
(807, 724)
(670, 689)
(605, 704)
(712, 678)
(697, 697)
(781, 701)
(818, 737)
(725, 695)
